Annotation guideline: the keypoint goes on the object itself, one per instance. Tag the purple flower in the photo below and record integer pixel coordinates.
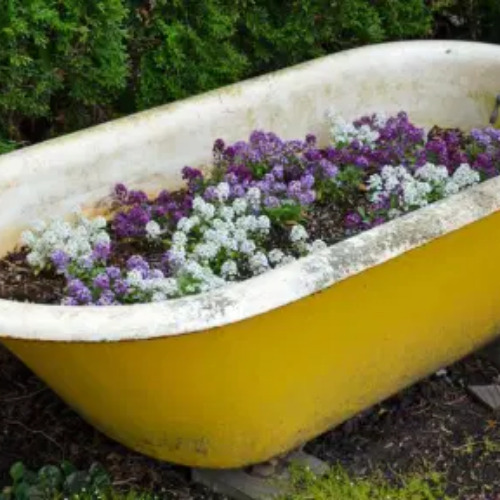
(107, 298)
(219, 146)
(353, 220)
(136, 262)
(278, 172)
(230, 153)
(60, 260)
(362, 162)
(79, 291)
(101, 281)
(113, 272)
(329, 170)
(481, 136)
(69, 301)
(313, 155)
(294, 189)
(164, 197)
(139, 216)
(311, 140)
(307, 181)
(306, 197)
(86, 262)
(121, 192)
(121, 287)
(279, 187)
(137, 197)
(271, 202)
(189, 173)
(237, 191)
(210, 193)
(101, 251)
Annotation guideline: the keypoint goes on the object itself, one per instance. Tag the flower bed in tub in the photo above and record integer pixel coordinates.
(252, 369)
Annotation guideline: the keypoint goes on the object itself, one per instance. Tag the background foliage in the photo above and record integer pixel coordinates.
(67, 64)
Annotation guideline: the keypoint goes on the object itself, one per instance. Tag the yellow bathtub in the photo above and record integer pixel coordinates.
(244, 373)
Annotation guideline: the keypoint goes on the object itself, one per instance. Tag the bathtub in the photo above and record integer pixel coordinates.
(241, 374)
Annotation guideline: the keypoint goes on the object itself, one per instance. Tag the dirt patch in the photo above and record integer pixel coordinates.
(434, 424)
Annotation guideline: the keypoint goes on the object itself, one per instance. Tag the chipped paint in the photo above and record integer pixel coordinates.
(433, 84)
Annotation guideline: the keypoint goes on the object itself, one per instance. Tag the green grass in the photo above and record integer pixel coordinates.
(338, 485)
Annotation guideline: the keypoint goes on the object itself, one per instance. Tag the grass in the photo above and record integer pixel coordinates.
(54, 483)
(338, 485)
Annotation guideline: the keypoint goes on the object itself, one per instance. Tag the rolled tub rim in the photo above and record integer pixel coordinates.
(271, 290)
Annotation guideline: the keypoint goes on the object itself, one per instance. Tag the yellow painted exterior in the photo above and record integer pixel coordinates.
(242, 393)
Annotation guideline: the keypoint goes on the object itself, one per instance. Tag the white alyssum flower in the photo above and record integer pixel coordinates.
(276, 256)
(464, 176)
(298, 234)
(247, 247)
(258, 263)
(429, 172)
(77, 238)
(223, 190)
(263, 224)
(410, 191)
(229, 269)
(240, 206)
(253, 196)
(203, 209)
(152, 287)
(343, 132)
(317, 246)
(226, 213)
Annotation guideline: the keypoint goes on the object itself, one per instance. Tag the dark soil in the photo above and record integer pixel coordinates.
(434, 424)
(19, 282)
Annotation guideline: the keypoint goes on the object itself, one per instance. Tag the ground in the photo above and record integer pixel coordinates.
(435, 425)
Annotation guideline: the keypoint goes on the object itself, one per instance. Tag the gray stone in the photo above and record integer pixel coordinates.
(487, 394)
(241, 485)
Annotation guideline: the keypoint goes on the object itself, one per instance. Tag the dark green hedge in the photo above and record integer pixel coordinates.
(66, 64)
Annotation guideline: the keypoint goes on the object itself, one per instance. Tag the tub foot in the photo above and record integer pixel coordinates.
(259, 482)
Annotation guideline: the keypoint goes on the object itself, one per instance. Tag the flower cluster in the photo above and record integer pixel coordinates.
(285, 172)
(59, 242)
(225, 240)
(139, 216)
(256, 209)
(396, 190)
(109, 285)
(365, 132)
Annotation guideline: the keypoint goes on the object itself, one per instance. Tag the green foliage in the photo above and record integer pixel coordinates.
(468, 19)
(7, 146)
(286, 213)
(66, 64)
(338, 485)
(275, 34)
(183, 47)
(58, 55)
(64, 482)
(344, 188)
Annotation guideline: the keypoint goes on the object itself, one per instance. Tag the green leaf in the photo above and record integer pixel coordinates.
(75, 482)
(51, 476)
(17, 472)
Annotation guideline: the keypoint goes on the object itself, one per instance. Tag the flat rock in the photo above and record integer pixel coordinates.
(241, 485)
(487, 394)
